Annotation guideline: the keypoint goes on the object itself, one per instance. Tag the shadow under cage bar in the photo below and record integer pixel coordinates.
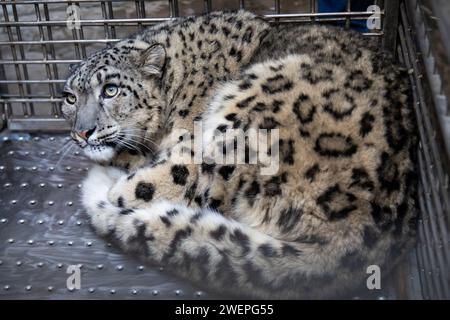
(36, 28)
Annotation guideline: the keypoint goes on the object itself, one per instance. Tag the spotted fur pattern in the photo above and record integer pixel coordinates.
(343, 197)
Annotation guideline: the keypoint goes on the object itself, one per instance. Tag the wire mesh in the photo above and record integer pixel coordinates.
(41, 38)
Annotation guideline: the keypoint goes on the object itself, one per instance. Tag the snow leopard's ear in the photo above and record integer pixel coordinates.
(150, 59)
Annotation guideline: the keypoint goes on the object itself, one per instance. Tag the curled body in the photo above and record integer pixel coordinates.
(341, 197)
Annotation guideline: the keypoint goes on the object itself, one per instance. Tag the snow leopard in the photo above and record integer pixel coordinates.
(341, 198)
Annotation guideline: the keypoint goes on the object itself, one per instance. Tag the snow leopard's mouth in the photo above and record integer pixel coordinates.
(100, 153)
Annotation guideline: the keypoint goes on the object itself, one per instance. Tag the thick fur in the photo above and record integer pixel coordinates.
(342, 198)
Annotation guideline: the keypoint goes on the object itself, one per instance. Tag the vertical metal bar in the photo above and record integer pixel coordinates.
(45, 57)
(391, 10)
(105, 16)
(111, 16)
(277, 10)
(207, 6)
(312, 9)
(75, 37)
(57, 86)
(3, 89)
(347, 19)
(14, 56)
(241, 4)
(173, 7)
(23, 57)
(138, 13)
(142, 2)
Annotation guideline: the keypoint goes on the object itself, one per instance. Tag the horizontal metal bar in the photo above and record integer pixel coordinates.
(32, 81)
(59, 1)
(361, 14)
(7, 62)
(37, 100)
(37, 124)
(87, 22)
(101, 22)
(41, 42)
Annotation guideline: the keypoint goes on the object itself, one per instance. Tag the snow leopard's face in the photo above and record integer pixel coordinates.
(113, 99)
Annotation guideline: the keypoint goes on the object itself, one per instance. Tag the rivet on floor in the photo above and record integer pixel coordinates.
(91, 290)
(50, 203)
(21, 221)
(141, 268)
(33, 168)
(79, 186)
(70, 243)
(3, 220)
(59, 185)
(198, 294)
(178, 292)
(112, 291)
(10, 240)
(28, 288)
(89, 243)
(99, 266)
(24, 185)
(68, 168)
(13, 201)
(41, 185)
(69, 204)
(50, 288)
(79, 223)
(51, 242)
(119, 267)
(18, 168)
(6, 287)
(134, 291)
(155, 292)
(19, 263)
(30, 242)
(59, 265)
(42, 153)
(2, 168)
(7, 185)
(61, 222)
(11, 153)
(70, 289)
(40, 221)
(51, 168)
(40, 264)
(32, 202)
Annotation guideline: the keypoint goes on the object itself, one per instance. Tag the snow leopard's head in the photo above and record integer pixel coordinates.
(114, 101)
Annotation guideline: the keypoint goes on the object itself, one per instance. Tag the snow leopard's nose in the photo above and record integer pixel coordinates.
(83, 134)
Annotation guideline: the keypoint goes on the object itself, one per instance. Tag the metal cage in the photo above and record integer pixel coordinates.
(40, 38)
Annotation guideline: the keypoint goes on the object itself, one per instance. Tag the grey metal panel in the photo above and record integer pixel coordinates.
(43, 230)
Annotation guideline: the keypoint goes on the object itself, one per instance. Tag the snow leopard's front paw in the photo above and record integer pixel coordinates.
(94, 193)
(125, 193)
(142, 188)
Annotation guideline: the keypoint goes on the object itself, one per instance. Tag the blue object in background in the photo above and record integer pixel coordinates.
(341, 6)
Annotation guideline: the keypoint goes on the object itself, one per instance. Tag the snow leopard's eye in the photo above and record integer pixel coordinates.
(110, 90)
(70, 98)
